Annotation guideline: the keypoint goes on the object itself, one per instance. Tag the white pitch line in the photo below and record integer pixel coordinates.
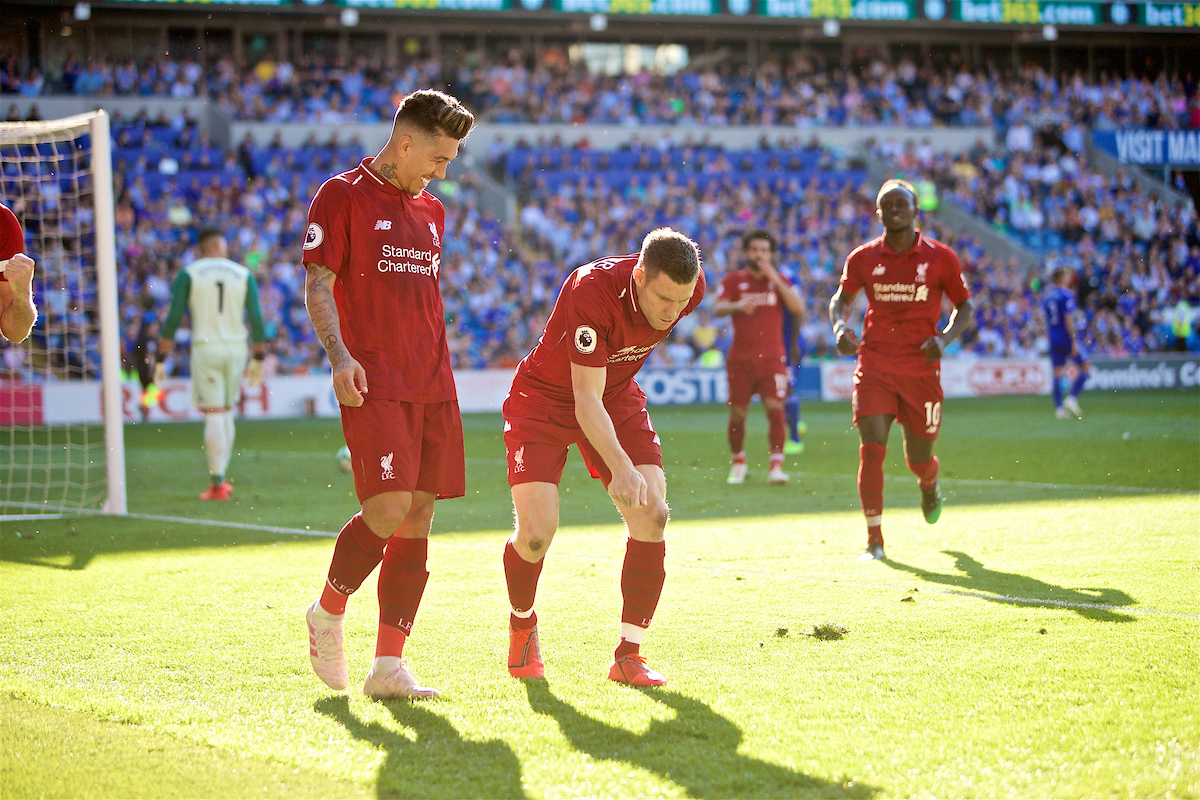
(716, 573)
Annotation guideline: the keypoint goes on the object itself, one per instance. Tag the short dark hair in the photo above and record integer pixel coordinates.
(209, 233)
(758, 233)
(669, 251)
(893, 183)
(434, 113)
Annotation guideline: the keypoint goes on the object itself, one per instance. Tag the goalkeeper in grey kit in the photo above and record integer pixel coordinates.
(221, 296)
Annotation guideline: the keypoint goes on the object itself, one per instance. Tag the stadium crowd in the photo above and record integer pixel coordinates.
(1137, 255)
(800, 90)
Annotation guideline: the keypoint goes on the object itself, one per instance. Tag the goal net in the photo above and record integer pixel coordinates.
(61, 441)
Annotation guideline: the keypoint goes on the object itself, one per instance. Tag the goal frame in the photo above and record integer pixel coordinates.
(96, 124)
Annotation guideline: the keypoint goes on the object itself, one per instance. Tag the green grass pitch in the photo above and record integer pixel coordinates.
(1041, 640)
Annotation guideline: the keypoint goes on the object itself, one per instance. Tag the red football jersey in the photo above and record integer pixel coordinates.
(759, 334)
(596, 322)
(12, 241)
(904, 294)
(386, 248)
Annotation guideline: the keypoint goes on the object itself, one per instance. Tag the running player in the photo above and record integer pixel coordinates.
(756, 297)
(577, 387)
(905, 275)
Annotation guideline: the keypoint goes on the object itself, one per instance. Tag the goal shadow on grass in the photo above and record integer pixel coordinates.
(440, 763)
(976, 580)
(696, 749)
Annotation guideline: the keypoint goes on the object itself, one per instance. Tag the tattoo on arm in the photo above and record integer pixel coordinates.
(322, 310)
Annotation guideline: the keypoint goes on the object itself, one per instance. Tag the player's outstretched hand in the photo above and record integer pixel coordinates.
(629, 488)
(254, 373)
(350, 383)
(933, 348)
(160, 374)
(19, 272)
(847, 342)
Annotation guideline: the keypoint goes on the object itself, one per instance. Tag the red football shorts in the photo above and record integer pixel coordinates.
(537, 443)
(762, 377)
(405, 447)
(914, 400)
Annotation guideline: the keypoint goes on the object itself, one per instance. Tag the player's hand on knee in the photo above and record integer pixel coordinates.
(254, 373)
(629, 488)
(847, 342)
(350, 384)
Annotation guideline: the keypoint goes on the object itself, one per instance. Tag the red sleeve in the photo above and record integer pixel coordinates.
(12, 241)
(954, 284)
(590, 319)
(327, 240)
(728, 291)
(852, 282)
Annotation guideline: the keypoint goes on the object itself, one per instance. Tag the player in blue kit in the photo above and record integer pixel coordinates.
(1059, 307)
(793, 347)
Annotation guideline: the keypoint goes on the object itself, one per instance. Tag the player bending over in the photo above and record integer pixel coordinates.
(577, 387)
(905, 275)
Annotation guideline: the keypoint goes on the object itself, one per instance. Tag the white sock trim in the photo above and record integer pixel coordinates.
(523, 614)
(632, 633)
(873, 521)
(323, 615)
(385, 664)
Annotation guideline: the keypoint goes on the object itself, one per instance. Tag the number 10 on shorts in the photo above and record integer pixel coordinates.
(933, 416)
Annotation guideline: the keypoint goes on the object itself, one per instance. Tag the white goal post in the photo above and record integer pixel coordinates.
(56, 176)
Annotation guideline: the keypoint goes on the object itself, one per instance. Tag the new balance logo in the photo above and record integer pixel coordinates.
(879, 269)
(383, 224)
(386, 464)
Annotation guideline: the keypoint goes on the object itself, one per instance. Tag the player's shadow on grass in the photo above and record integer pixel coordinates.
(1010, 588)
(697, 749)
(439, 763)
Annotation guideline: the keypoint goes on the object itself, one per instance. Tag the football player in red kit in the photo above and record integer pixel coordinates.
(756, 297)
(17, 311)
(577, 387)
(905, 274)
(373, 257)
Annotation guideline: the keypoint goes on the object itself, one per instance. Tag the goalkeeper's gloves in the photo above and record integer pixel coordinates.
(160, 373)
(254, 373)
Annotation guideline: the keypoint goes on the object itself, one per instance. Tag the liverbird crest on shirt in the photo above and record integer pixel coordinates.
(437, 242)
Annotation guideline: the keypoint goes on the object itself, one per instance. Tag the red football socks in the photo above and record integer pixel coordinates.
(355, 555)
(642, 577)
(389, 641)
(870, 478)
(522, 578)
(737, 436)
(626, 648)
(776, 429)
(926, 472)
(333, 601)
(402, 582)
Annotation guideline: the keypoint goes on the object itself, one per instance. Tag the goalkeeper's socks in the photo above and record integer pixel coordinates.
(215, 446)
